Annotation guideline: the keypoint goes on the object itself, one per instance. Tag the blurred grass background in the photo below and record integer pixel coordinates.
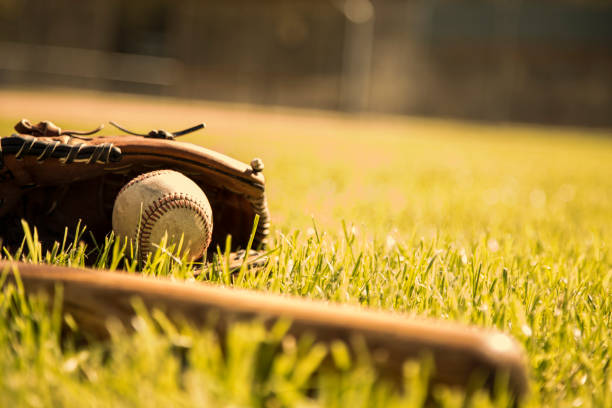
(417, 176)
(500, 225)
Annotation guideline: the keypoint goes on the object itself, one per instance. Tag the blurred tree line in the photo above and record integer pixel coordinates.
(536, 61)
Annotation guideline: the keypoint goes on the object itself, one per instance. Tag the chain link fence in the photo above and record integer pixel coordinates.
(534, 61)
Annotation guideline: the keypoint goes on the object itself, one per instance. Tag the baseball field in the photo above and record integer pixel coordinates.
(499, 225)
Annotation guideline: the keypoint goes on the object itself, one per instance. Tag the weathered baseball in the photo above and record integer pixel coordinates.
(163, 203)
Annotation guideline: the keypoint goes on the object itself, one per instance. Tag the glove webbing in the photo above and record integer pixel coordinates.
(20, 146)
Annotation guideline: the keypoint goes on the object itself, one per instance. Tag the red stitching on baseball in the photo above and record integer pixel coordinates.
(161, 206)
(143, 176)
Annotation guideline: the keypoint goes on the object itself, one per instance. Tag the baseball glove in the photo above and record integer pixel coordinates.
(52, 178)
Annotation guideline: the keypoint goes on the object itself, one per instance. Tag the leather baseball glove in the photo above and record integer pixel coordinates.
(53, 178)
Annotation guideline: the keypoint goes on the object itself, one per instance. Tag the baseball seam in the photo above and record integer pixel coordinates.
(160, 207)
(141, 177)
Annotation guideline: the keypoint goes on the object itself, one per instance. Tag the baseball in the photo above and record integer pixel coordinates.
(163, 203)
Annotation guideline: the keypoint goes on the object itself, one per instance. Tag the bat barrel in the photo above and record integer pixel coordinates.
(460, 353)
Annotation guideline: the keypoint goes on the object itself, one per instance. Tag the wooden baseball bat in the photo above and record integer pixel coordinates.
(458, 352)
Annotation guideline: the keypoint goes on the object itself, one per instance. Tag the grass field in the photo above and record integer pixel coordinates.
(497, 225)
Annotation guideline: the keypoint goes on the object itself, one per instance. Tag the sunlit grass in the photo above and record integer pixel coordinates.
(496, 225)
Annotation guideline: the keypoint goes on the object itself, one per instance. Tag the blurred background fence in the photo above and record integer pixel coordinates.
(534, 61)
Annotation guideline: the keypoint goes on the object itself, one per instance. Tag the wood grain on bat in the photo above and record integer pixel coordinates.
(459, 352)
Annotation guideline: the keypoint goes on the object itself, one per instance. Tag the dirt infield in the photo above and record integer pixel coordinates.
(90, 108)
